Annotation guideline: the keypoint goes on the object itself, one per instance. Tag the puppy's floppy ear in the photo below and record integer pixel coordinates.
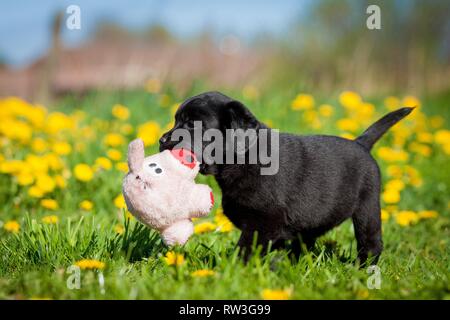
(237, 116)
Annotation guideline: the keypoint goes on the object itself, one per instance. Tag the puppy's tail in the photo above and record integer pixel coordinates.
(376, 130)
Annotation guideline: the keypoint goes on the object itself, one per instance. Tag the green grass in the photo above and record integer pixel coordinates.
(34, 262)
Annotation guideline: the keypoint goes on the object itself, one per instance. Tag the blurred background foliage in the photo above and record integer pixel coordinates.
(322, 46)
(331, 48)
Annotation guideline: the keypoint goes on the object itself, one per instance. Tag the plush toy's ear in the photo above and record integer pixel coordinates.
(135, 155)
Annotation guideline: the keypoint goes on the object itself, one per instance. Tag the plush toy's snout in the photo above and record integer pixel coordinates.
(186, 157)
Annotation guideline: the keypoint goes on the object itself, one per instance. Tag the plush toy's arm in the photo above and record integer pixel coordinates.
(135, 155)
(201, 199)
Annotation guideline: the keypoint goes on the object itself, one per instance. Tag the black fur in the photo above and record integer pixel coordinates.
(322, 180)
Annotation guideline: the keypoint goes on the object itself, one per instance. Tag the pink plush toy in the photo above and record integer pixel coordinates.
(160, 191)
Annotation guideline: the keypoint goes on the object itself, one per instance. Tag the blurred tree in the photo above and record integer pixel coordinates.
(331, 47)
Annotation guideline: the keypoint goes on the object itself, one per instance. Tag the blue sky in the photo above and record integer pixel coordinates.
(24, 27)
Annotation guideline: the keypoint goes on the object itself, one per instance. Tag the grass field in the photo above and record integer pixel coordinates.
(61, 169)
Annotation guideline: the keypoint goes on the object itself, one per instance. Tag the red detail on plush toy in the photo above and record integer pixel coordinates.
(185, 156)
(212, 198)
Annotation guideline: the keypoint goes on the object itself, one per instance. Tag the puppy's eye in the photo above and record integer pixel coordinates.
(158, 170)
(151, 165)
(189, 124)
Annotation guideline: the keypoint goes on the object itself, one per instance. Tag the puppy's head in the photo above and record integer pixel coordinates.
(210, 110)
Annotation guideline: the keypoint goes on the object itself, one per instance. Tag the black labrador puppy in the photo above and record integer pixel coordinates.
(321, 180)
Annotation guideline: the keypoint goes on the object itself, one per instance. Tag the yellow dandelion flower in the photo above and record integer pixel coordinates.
(113, 140)
(384, 215)
(50, 219)
(395, 184)
(35, 192)
(173, 258)
(406, 218)
(12, 226)
(348, 136)
(391, 196)
(362, 294)
(119, 202)
(86, 205)
(303, 102)
(45, 183)
(392, 155)
(128, 215)
(326, 110)
(391, 208)
(103, 163)
(268, 294)
(425, 137)
(49, 204)
(114, 154)
(204, 227)
(419, 148)
(120, 112)
(203, 273)
(149, 132)
(62, 148)
(442, 136)
(428, 214)
(347, 124)
(122, 166)
(83, 172)
(25, 179)
(11, 166)
(39, 145)
(53, 161)
(222, 222)
(119, 229)
(90, 264)
(350, 100)
(395, 171)
(410, 101)
(446, 148)
(57, 122)
(365, 111)
(36, 164)
(60, 181)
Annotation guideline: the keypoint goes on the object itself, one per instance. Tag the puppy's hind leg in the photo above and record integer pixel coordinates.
(303, 243)
(367, 224)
